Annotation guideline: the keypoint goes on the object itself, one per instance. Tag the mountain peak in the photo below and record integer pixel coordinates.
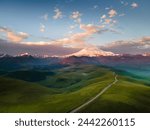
(91, 52)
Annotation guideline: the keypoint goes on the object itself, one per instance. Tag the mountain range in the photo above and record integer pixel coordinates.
(127, 62)
(48, 84)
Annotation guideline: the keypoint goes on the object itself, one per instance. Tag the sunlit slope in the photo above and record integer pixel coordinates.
(70, 100)
(126, 95)
(70, 87)
(21, 96)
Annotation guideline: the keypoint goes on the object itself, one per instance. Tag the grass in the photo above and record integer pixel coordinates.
(21, 96)
(29, 75)
(67, 88)
(124, 96)
(68, 101)
(73, 77)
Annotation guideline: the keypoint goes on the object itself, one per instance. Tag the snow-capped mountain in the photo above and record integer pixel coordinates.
(91, 52)
(146, 54)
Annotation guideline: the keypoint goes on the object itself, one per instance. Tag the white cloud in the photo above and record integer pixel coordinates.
(124, 3)
(135, 46)
(76, 16)
(17, 37)
(114, 21)
(73, 26)
(107, 8)
(70, 32)
(90, 28)
(103, 16)
(13, 36)
(45, 17)
(95, 6)
(134, 5)
(36, 43)
(42, 28)
(58, 14)
(107, 21)
(121, 15)
(23, 34)
(112, 13)
(34, 48)
(78, 40)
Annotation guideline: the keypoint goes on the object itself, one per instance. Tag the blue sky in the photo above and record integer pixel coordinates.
(48, 20)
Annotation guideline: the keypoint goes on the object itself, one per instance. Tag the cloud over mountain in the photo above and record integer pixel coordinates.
(78, 40)
(7, 47)
(13, 36)
(135, 46)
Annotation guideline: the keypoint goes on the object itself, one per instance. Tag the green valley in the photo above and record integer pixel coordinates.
(65, 89)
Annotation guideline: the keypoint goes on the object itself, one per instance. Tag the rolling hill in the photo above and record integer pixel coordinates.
(64, 84)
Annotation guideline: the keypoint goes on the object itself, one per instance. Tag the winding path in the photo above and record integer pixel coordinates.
(94, 98)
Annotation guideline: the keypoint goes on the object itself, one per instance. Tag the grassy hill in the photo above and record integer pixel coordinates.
(21, 96)
(29, 75)
(125, 96)
(64, 89)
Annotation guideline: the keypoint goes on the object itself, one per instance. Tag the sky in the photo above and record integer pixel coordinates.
(120, 26)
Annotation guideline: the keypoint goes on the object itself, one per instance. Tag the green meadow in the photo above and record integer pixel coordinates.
(124, 96)
(64, 89)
